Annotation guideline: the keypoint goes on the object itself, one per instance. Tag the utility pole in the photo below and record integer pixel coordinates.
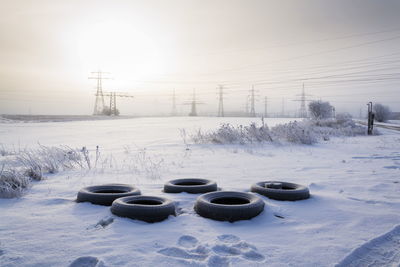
(265, 107)
(252, 102)
(99, 102)
(371, 117)
(283, 107)
(173, 113)
(221, 101)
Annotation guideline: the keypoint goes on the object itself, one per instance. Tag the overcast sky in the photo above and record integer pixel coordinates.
(345, 52)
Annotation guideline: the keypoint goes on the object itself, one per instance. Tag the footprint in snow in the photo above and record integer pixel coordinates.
(181, 253)
(226, 248)
(87, 261)
(253, 256)
(187, 241)
(228, 238)
(218, 261)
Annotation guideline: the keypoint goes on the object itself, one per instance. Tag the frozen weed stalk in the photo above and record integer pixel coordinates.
(306, 132)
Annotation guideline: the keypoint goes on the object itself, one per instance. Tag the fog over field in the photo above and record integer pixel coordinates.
(345, 52)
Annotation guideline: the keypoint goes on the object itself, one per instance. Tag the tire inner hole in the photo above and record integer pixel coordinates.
(145, 202)
(110, 191)
(190, 183)
(230, 201)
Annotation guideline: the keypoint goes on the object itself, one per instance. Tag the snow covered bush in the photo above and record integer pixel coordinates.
(306, 132)
(228, 134)
(320, 110)
(12, 183)
(295, 132)
(382, 112)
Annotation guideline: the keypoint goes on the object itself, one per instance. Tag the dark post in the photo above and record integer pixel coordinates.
(371, 117)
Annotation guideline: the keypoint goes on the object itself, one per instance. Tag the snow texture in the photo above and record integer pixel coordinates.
(380, 251)
(354, 184)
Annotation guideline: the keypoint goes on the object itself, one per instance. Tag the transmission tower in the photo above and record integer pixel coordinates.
(173, 112)
(252, 102)
(265, 107)
(283, 108)
(193, 112)
(113, 111)
(221, 101)
(193, 103)
(99, 102)
(303, 99)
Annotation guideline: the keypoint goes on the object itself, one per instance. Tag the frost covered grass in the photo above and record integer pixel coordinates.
(50, 160)
(12, 183)
(22, 167)
(298, 132)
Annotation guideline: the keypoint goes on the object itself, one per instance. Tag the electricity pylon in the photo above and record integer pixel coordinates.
(113, 101)
(221, 101)
(303, 99)
(252, 102)
(99, 101)
(193, 103)
(173, 112)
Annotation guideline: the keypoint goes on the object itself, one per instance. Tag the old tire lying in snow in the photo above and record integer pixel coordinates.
(144, 208)
(190, 185)
(281, 190)
(229, 206)
(106, 194)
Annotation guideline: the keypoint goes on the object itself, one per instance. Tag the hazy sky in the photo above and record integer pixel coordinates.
(345, 52)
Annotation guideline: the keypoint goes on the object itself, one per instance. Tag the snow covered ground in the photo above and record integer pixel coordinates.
(354, 182)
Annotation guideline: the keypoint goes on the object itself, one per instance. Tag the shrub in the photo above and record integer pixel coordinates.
(320, 110)
(12, 183)
(382, 112)
(304, 132)
(228, 134)
(295, 132)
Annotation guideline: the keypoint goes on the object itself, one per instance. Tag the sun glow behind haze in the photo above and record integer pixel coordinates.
(116, 46)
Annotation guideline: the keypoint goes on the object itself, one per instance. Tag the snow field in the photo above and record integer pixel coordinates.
(354, 184)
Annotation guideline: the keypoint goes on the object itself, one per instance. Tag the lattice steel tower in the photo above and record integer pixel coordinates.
(221, 101)
(303, 110)
(99, 101)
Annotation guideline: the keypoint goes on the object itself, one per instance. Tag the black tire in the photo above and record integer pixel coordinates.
(190, 185)
(144, 208)
(288, 191)
(229, 206)
(106, 194)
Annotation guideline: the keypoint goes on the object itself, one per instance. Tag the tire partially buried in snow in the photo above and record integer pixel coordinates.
(229, 206)
(106, 194)
(144, 208)
(281, 190)
(190, 185)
